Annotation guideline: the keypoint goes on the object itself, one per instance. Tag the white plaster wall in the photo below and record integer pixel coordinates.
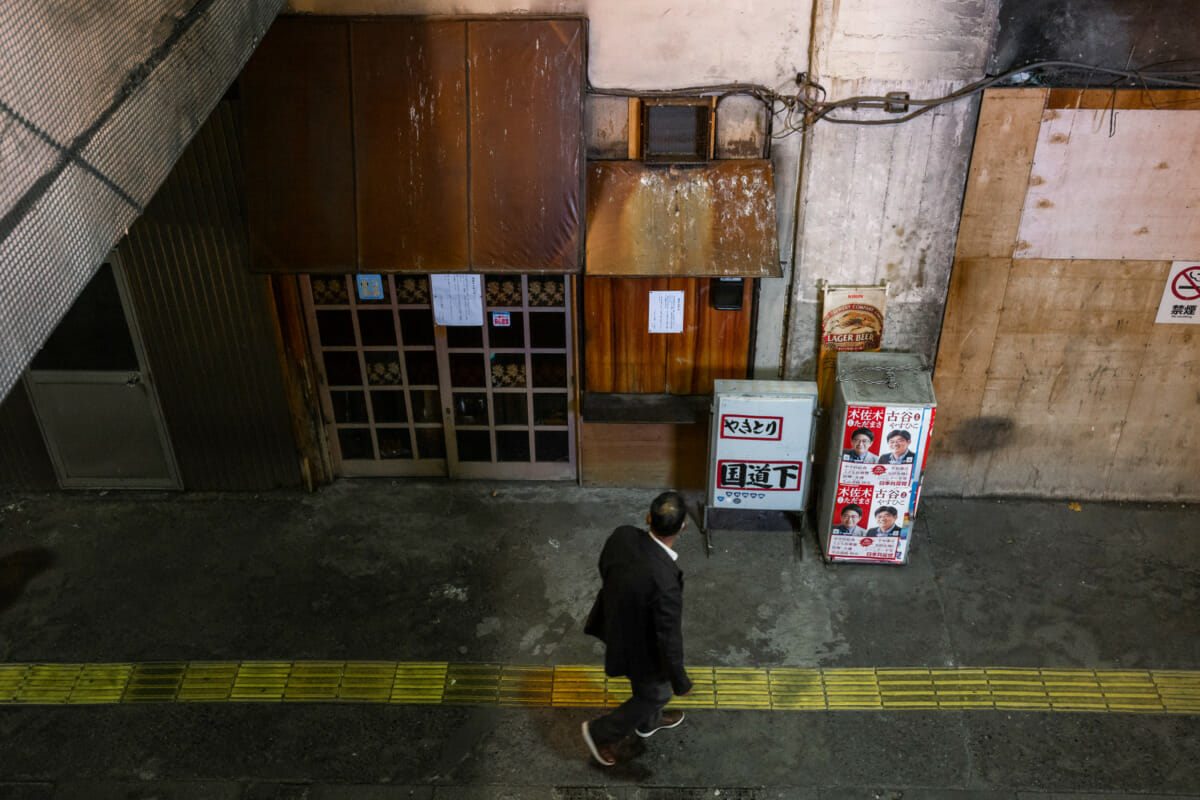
(883, 202)
(638, 44)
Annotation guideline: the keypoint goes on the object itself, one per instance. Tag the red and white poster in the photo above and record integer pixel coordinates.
(883, 448)
(1181, 296)
(883, 443)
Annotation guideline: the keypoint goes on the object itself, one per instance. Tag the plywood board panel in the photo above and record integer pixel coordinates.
(1114, 186)
(410, 131)
(299, 151)
(526, 147)
(710, 219)
(1005, 139)
(644, 455)
(1056, 445)
(1052, 378)
(1158, 457)
(1065, 367)
(1062, 316)
(1123, 98)
(973, 306)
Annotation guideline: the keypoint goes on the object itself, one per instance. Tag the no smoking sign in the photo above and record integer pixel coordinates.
(1181, 296)
(1186, 284)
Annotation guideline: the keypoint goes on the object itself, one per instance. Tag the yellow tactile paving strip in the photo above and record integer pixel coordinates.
(443, 683)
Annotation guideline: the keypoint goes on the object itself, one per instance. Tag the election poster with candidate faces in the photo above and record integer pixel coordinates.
(883, 453)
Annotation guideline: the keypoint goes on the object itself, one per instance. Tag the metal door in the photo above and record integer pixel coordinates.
(405, 396)
(94, 398)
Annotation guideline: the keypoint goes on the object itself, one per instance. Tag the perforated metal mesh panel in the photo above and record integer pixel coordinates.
(97, 101)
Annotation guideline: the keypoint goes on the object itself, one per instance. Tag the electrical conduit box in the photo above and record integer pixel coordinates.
(883, 409)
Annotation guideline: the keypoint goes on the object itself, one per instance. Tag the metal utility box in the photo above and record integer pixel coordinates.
(882, 416)
(760, 445)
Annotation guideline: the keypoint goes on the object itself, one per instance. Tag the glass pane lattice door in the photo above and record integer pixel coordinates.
(404, 396)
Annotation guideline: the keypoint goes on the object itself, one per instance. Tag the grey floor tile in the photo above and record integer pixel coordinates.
(147, 790)
(365, 792)
(26, 791)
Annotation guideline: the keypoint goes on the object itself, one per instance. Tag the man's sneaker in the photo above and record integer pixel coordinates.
(669, 720)
(603, 755)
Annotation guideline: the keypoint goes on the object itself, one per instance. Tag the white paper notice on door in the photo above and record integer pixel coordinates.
(457, 299)
(666, 312)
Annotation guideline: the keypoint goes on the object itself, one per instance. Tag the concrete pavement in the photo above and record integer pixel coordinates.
(503, 573)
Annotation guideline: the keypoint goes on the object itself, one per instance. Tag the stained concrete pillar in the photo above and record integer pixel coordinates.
(882, 202)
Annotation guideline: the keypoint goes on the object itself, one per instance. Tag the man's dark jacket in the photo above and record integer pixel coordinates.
(639, 611)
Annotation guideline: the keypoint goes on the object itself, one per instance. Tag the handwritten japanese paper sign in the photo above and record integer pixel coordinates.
(666, 312)
(759, 451)
(1181, 295)
(767, 476)
(457, 299)
(750, 426)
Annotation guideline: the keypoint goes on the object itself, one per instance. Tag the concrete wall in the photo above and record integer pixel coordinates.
(882, 202)
(876, 202)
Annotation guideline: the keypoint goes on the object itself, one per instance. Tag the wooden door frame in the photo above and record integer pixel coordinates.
(450, 466)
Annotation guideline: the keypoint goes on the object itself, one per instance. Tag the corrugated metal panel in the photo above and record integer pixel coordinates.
(24, 463)
(208, 323)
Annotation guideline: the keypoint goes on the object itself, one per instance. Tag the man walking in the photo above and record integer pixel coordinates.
(638, 615)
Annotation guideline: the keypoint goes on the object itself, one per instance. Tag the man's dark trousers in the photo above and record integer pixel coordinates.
(638, 615)
(643, 710)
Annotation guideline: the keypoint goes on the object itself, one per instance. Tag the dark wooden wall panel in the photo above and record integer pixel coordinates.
(299, 151)
(621, 355)
(410, 131)
(526, 101)
(659, 455)
(715, 344)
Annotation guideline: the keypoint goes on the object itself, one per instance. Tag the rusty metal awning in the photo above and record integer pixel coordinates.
(715, 219)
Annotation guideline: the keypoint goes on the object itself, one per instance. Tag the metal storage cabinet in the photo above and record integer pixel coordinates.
(883, 409)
